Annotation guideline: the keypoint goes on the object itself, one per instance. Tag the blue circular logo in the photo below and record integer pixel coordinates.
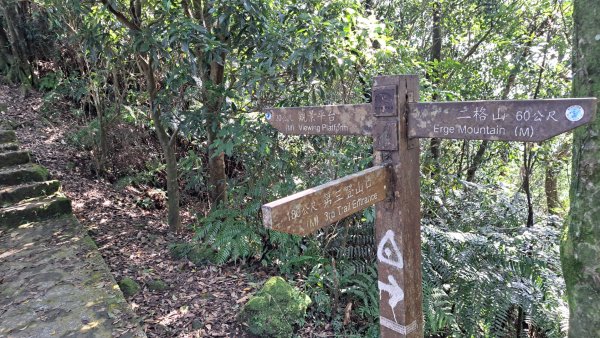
(268, 115)
(574, 113)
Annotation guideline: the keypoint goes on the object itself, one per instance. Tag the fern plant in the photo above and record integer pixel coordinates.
(492, 277)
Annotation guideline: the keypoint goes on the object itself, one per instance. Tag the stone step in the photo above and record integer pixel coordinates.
(7, 136)
(23, 174)
(13, 194)
(4, 147)
(34, 210)
(13, 158)
(56, 284)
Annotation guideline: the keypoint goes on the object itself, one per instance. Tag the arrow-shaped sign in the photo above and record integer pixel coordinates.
(312, 209)
(351, 119)
(507, 120)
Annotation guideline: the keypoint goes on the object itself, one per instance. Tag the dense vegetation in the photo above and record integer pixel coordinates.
(190, 78)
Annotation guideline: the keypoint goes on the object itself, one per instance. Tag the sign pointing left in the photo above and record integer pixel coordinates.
(351, 119)
(312, 209)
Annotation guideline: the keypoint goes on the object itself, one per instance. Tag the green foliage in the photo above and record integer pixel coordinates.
(477, 277)
(275, 309)
(49, 81)
(86, 137)
(482, 268)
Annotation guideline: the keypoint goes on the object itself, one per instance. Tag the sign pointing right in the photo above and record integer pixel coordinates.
(506, 120)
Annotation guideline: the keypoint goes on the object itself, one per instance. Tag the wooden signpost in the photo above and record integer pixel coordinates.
(396, 120)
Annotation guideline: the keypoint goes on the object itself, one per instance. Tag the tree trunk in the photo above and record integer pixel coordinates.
(168, 146)
(534, 31)
(167, 143)
(436, 54)
(477, 161)
(551, 188)
(528, 156)
(5, 54)
(580, 247)
(554, 166)
(213, 76)
(21, 69)
(217, 177)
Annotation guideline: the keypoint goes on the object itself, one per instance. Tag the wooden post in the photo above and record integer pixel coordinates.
(398, 231)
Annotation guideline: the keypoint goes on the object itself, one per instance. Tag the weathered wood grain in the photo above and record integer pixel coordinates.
(397, 223)
(506, 120)
(353, 119)
(312, 209)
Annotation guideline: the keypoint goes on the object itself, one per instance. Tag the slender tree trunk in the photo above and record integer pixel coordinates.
(528, 156)
(217, 177)
(551, 188)
(477, 161)
(436, 54)
(168, 146)
(167, 143)
(554, 166)
(534, 31)
(213, 76)
(580, 248)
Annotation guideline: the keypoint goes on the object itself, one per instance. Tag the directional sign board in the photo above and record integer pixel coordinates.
(508, 120)
(312, 209)
(352, 119)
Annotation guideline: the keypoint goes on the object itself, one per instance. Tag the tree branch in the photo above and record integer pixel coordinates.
(122, 18)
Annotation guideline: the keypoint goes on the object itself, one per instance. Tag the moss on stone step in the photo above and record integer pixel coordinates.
(59, 285)
(34, 210)
(12, 158)
(7, 136)
(23, 174)
(4, 147)
(16, 193)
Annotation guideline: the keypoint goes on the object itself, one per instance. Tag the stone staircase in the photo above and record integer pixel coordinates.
(26, 193)
(53, 280)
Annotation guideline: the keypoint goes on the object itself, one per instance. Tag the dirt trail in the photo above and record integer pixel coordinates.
(198, 301)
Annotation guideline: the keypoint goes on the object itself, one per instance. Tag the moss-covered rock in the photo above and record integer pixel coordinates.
(7, 136)
(157, 285)
(198, 254)
(23, 174)
(275, 309)
(34, 210)
(129, 287)
(12, 158)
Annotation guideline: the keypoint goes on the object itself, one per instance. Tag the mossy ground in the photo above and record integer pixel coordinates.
(129, 287)
(275, 309)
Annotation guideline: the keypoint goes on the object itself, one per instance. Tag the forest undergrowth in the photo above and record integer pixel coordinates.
(482, 268)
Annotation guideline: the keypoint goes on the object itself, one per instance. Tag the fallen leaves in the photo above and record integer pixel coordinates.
(134, 241)
(199, 301)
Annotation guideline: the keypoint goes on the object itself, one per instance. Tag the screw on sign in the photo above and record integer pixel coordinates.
(396, 121)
